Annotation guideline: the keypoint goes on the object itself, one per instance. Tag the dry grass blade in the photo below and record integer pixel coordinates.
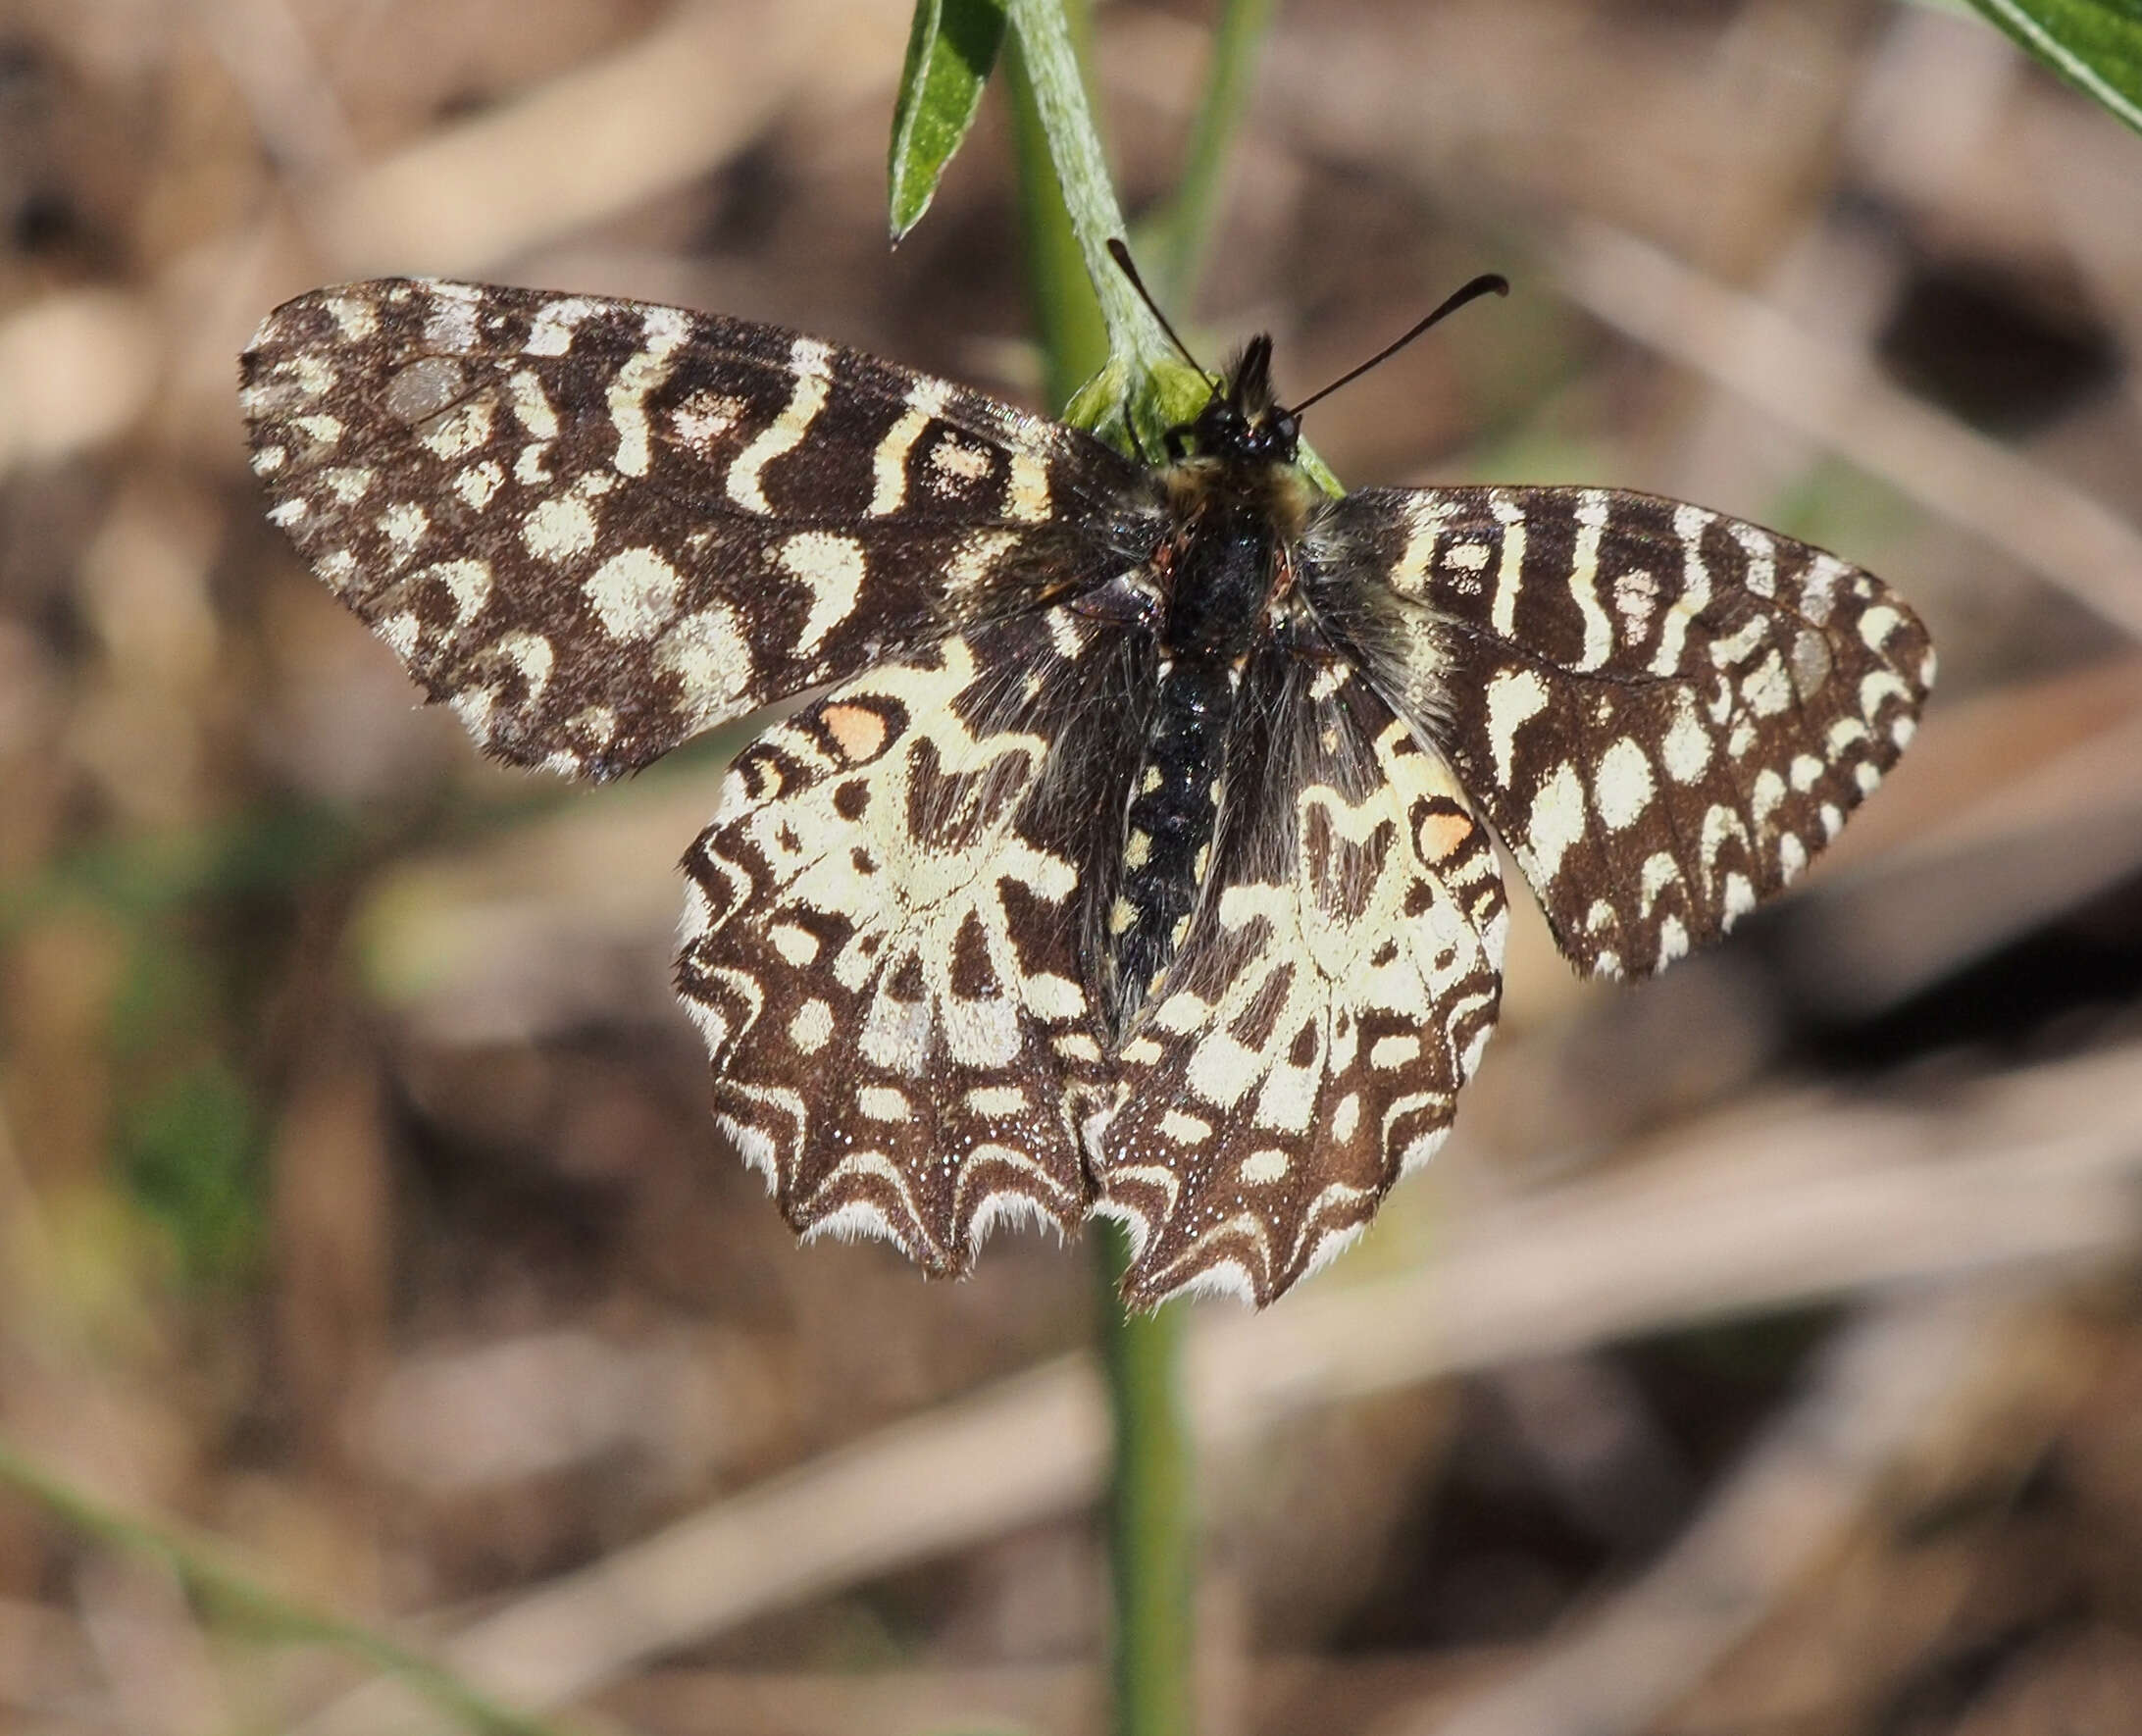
(596, 142)
(1884, 1386)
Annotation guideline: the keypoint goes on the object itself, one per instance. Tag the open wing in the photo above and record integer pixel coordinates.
(598, 527)
(1665, 712)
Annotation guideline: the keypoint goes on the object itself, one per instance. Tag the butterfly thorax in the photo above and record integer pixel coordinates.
(1235, 505)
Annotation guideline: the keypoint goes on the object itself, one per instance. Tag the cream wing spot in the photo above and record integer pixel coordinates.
(353, 317)
(1623, 786)
(1510, 566)
(530, 404)
(888, 463)
(479, 484)
(1878, 625)
(710, 657)
(401, 632)
(1593, 508)
(532, 658)
(810, 361)
(1689, 525)
(1685, 750)
(1740, 897)
(403, 525)
(976, 557)
(703, 419)
(633, 593)
(663, 329)
(560, 528)
(1514, 697)
(1660, 872)
(1760, 548)
(466, 581)
(1027, 499)
(882, 1103)
(550, 332)
(450, 323)
(1185, 1130)
(1636, 602)
(811, 1029)
(1673, 940)
(831, 567)
(1767, 689)
(1557, 819)
(349, 483)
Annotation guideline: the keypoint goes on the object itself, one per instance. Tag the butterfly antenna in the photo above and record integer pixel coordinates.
(1487, 283)
(1121, 254)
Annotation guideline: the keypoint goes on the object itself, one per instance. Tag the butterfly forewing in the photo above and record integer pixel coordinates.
(1665, 712)
(1334, 991)
(597, 528)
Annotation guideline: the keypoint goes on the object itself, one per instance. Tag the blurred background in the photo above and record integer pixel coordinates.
(1765, 1353)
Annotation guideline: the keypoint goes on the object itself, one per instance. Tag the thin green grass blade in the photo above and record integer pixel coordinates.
(236, 1596)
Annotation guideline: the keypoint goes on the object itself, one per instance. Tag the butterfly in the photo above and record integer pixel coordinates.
(1133, 854)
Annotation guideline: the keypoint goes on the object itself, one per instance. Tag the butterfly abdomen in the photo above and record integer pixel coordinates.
(1220, 568)
(1168, 828)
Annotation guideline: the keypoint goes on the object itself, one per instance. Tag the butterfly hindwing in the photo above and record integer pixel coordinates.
(1333, 991)
(1665, 712)
(598, 526)
(884, 937)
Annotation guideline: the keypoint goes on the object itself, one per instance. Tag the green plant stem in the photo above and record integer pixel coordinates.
(1153, 1525)
(215, 1582)
(1068, 319)
(1087, 315)
(1049, 85)
(1238, 39)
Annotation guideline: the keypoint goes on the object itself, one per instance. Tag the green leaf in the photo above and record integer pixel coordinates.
(2094, 43)
(951, 50)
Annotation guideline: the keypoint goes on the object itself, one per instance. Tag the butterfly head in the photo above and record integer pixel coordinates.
(1243, 420)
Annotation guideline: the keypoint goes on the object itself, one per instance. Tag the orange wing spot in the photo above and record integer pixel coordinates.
(858, 731)
(1443, 835)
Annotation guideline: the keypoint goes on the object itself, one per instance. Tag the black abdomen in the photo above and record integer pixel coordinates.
(1169, 827)
(1219, 578)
